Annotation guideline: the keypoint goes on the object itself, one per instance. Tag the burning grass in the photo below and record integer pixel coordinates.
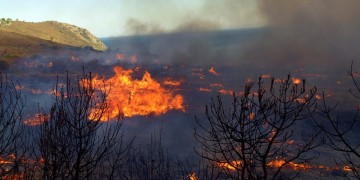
(131, 97)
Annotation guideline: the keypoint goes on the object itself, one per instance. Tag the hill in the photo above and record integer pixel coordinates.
(21, 39)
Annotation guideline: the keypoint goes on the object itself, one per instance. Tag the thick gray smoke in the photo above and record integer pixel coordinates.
(308, 33)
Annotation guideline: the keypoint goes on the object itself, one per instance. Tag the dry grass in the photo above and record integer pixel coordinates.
(22, 39)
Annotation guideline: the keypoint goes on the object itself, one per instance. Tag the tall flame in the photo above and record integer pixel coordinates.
(130, 97)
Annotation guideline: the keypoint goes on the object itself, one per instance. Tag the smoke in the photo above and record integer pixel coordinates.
(305, 32)
(318, 35)
(195, 24)
(135, 26)
(161, 16)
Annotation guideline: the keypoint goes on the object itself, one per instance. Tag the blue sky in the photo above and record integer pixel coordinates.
(110, 17)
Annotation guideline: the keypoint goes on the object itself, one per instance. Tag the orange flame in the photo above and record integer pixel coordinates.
(216, 85)
(300, 100)
(170, 82)
(266, 76)
(192, 176)
(251, 116)
(213, 71)
(37, 119)
(292, 165)
(296, 80)
(204, 89)
(130, 97)
(277, 163)
(347, 168)
(224, 91)
(230, 165)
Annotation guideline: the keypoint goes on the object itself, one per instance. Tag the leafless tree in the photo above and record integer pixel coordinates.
(11, 128)
(258, 136)
(75, 143)
(342, 132)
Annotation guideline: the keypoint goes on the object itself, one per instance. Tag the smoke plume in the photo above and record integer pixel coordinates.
(305, 32)
(167, 16)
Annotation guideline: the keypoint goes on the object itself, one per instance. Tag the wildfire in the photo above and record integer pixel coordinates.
(292, 165)
(204, 89)
(276, 163)
(198, 73)
(192, 176)
(216, 85)
(230, 165)
(300, 100)
(170, 82)
(233, 165)
(224, 91)
(278, 80)
(4, 161)
(296, 80)
(213, 71)
(121, 57)
(317, 97)
(37, 119)
(130, 97)
(251, 116)
(266, 76)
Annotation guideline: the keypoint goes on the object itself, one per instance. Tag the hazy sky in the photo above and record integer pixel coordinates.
(121, 17)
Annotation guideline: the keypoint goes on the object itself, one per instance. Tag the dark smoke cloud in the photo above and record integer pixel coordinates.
(308, 32)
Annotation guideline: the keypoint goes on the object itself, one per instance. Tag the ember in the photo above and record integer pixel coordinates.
(296, 80)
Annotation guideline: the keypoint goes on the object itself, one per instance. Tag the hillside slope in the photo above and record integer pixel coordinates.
(57, 32)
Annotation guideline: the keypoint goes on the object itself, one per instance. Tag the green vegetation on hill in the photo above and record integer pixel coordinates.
(57, 32)
(5, 22)
(21, 39)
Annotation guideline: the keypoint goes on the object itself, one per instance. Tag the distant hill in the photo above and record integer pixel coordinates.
(21, 39)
